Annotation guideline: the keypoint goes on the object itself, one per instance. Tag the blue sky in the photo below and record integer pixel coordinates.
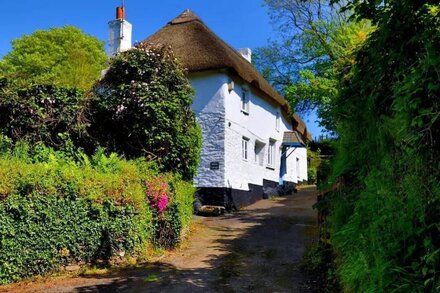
(241, 23)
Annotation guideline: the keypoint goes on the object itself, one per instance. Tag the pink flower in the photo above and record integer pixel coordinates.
(162, 204)
(158, 193)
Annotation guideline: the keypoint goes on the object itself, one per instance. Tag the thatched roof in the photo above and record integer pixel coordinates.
(199, 49)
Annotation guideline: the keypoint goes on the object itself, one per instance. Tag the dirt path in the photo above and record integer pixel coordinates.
(258, 250)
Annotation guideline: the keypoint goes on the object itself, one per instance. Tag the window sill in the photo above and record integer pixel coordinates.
(245, 112)
(270, 168)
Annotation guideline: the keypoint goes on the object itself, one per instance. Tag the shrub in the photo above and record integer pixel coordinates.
(174, 215)
(40, 233)
(41, 114)
(385, 220)
(142, 107)
(56, 209)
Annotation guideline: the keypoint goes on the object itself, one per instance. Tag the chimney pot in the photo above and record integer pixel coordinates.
(120, 12)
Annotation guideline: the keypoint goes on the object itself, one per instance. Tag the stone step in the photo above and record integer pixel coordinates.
(211, 210)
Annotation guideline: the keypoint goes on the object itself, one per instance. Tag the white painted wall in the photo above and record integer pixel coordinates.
(209, 107)
(259, 125)
(120, 34)
(218, 110)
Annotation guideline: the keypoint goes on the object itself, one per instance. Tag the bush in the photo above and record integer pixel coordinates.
(385, 220)
(172, 206)
(318, 261)
(142, 107)
(40, 233)
(57, 210)
(41, 114)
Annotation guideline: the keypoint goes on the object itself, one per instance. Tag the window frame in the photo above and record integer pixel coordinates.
(271, 153)
(245, 148)
(244, 100)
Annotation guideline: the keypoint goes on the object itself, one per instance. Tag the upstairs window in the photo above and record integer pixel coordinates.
(298, 168)
(244, 148)
(271, 153)
(244, 101)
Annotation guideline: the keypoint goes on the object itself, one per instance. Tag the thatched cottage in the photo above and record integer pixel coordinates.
(252, 143)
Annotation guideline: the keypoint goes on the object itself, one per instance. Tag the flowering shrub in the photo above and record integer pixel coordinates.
(43, 191)
(142, 108)
(158, 194)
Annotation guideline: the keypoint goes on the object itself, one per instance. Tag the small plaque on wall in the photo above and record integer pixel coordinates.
(214, 165)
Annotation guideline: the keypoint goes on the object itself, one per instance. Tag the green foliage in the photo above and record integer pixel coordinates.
(142, 107)
(64, 56)
(385, 221)
(57, 209)
(316, 41)
(314, 161)
(184, 201)
(318, 261)
(42, 114)
(40, 233)
(168, 226)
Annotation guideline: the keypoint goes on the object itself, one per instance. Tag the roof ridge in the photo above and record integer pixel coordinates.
(186, 16)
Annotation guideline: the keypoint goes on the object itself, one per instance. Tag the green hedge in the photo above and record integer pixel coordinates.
(40, 233)
(57, 210)
(385, 219)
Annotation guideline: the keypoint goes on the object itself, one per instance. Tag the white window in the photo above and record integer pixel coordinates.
(244, 101)
(259, 152)
(298, 168)
(278, 121)
(244, 148)
(271, 153)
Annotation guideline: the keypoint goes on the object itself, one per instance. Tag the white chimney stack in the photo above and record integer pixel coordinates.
(120, 32)
(246, 53)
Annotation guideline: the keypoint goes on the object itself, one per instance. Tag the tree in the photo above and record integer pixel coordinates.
(142, 107)
(316, 41)
(61, 56)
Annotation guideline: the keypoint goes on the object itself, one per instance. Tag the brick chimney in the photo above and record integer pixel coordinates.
(120, 32)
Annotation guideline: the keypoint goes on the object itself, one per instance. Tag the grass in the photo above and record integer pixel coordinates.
(152, 278)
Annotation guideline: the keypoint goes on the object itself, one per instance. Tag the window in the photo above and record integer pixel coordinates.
(244, 148)
(271, 153)
(298, 170)
(259, 153)
(244, 101)
(278, 121)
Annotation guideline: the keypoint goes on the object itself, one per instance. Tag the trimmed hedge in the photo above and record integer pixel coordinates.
(56, 210)
(40, 233)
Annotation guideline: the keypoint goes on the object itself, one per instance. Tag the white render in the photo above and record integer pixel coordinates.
(209, 107)
(120, 34)
(224, 125)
